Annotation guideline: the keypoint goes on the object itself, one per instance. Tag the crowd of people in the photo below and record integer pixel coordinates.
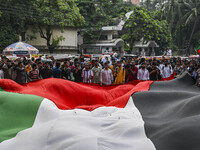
(103, 71)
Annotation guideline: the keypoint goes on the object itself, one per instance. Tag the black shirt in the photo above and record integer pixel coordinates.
(77, 75)
(46, 73)
(153, 76)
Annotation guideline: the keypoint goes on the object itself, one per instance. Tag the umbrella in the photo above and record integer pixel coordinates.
(20, 48)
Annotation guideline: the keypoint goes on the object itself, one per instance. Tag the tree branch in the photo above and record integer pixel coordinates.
(42, 33)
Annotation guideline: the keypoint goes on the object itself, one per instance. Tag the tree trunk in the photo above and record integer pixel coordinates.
(148, 3)
(131, 48)
(171, 3)
(50, 46)
(48, 35)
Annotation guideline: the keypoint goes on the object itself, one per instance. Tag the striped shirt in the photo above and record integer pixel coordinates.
(87, 76)
(106, 76)
(34, 75)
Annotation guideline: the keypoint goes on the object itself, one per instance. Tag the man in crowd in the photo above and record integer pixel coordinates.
(154, 72)
(77, 73)
(34, 73)
(39, 66)
(192, 69)
(178, 69)
(166, 70)
(6, 68)
(106, 77)
(120, 73)
(66, 71)
(143, 73)
(46, 71)
(20, 73)
(96, 72)
(169, 52)
(87, 74)
(57, 72)
(28, 66)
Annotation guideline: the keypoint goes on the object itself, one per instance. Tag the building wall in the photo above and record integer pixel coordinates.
(69, 43)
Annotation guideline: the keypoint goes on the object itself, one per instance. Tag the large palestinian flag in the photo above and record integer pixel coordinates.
(55, 114)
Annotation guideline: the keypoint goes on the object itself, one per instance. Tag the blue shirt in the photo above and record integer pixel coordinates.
(57, 72)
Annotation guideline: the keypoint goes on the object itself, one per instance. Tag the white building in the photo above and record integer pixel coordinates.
(110, 42)
(145, 48)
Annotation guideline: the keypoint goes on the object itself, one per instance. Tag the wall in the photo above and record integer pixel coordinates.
(70, 35)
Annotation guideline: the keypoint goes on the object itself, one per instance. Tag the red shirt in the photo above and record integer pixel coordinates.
(130, 75)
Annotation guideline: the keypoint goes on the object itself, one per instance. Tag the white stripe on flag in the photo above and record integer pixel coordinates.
(105, 128)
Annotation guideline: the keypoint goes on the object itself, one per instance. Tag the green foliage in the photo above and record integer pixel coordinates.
(57, 39)
(144, 25)
(183, 17)
(57, 12)
(101, 13)
(51, 13)
(16, 14)
(13, 18)
(8, 34)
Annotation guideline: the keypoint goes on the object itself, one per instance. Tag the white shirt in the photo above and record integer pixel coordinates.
(1, 74)
(87, 75)
(160, 67)
(169, 52)
(166, 71)
(106, 76)
(143, 74)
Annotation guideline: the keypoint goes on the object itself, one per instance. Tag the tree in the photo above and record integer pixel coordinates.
(8, 34)
(144, 25)
(101, 13)
(172, 12)
(191, 15)
(185, 23)
(14, 16)
(95, 18)
(183, 18)
(51, 13)
(147, 4)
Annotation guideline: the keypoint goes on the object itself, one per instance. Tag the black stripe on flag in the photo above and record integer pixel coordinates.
(171, 112)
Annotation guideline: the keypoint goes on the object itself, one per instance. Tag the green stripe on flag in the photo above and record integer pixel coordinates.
(1, 89)
(17, 112)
